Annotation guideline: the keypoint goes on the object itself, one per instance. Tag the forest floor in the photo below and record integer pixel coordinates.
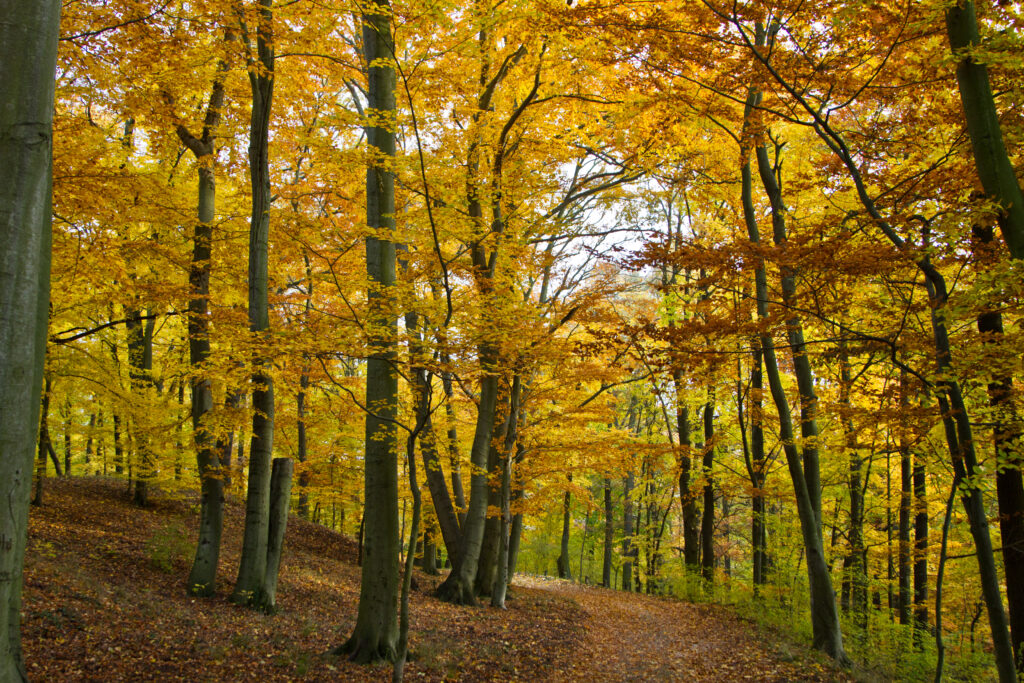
(104, 600)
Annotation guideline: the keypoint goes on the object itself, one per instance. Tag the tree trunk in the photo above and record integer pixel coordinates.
(707, 523)
(756, 462)
(960, 440)
(827, 635)
(516, 532)
(628, 547)
(906, 486)
(1006, 437)
(140, 361)
(252, 565)
(44, 445)
(375, 636)
(202, 579)
(66, 414)
(920, 551)
(687, 497)
(28, 57)
(564, 572)
(301, 446)
(609, 535)
(280, 497)
(995, 170)
(502, 575)
(459, 586)
(453, 452)
(491, 544)
(794, 334)
(429, 562)
(855, 580)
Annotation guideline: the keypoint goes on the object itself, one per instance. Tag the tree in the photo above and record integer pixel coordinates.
(250, 587)
(376, 632)
(28, 57)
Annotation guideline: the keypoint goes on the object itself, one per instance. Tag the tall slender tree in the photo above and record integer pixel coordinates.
(252, 567)
(375, 636)
(28, 58)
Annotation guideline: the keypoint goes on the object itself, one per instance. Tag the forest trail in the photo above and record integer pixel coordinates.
(634, 637)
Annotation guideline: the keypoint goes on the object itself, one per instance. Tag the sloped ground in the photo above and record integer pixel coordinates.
(105, 601)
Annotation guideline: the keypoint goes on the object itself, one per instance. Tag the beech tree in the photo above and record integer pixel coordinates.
(376, 632)
(28, 56)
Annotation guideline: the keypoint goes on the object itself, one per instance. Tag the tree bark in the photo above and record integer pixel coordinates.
(995, 170)
(140, 361)
(518, 490)
(960, 440)
(564, 571)
(375, 636)
(920, 551)
(44, 445)
(253, 564)
(853, 564)
(491, 544)
(280, 497)
(1006, 437)
(502, 574)
(707, 522)
(202, 579)
(757, 463)
(28, 57)
(827, 635)
(628, 547)
(794, 334)
(301, 445)
(687, 497)
(453, 452)
(906, 493)
(609, 535)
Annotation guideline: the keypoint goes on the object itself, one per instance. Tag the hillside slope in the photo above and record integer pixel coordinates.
(105, 601)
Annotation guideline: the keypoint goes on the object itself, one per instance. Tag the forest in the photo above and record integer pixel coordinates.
(718, 302)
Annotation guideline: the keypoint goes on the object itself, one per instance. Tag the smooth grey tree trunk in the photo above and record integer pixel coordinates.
(459, 586)
(140, 362)
(453, 449)
(429, 561)
(490, 547)
(502, 576)
(253, 564)
(518, 490)
(28, 56)
(202, 578)
(375, 636)
(280, 497)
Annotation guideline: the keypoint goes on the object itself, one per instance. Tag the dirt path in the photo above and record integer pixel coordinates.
(630, 637)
